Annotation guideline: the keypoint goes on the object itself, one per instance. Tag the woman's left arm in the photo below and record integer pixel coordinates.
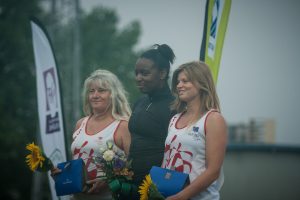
(123, 138)
(216, 141)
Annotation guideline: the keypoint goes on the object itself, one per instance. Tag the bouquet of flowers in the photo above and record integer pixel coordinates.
(149, 191)
(36, 160)
(116, 170)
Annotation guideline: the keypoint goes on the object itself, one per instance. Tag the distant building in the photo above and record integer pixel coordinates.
(256, 131)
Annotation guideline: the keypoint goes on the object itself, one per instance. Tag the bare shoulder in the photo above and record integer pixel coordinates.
(216, 122)
(215, 117)
(78, 123)
(123, 126)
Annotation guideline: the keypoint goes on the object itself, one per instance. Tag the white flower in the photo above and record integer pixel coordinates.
(108, 155)
(102, 150)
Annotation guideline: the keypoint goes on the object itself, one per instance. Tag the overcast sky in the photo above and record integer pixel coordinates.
(259, 70)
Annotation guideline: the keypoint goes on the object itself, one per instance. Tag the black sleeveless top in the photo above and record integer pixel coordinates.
(148, 126)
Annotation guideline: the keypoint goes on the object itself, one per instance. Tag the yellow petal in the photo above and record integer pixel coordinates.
(35, 158)
(144, 187)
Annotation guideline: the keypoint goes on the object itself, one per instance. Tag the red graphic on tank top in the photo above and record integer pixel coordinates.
(175, 157)
(88, 160)
(78, 152)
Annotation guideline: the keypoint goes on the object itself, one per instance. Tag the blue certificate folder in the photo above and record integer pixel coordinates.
(72, 178)
(168, 182)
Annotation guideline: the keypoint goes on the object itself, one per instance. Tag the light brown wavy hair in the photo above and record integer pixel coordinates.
(200, 75)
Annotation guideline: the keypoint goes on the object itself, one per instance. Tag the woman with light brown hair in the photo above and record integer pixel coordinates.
(197, 135)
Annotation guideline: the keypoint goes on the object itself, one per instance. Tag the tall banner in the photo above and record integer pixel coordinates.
(216, 19)
(49, 100)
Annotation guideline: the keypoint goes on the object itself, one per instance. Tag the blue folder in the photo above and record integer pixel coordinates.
(168, 182)
(72, 178)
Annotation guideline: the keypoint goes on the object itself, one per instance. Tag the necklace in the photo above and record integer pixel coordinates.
(148, 106)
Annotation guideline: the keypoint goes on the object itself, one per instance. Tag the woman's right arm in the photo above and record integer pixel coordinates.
(56, 170)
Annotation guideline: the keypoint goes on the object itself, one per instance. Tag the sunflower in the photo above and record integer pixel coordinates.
(35, 159)
(144, 188)
(149, 191)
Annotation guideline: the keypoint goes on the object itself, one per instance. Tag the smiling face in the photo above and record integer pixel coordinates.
(148, 77)
(99, 97)
(186, 90)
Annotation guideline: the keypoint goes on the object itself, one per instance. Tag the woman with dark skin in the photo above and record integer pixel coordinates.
(151, 114)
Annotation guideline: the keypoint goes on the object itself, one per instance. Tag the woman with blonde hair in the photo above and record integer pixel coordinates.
(197, 135)
(107, 113)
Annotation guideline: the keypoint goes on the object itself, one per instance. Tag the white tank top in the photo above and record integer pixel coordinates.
(88, 146)
(185, 152)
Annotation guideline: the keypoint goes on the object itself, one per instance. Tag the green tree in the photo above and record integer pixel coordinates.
(104, 46)
(18, 110)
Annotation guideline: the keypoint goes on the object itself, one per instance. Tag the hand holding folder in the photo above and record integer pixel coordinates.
(167, 181)
(71, 179)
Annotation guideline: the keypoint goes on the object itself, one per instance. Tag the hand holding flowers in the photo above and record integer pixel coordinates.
(37, 160)
(116, 170)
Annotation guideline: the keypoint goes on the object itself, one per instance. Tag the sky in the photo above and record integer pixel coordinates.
(258, 76)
